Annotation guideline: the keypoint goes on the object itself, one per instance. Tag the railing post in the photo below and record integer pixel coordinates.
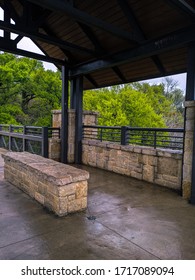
(1, 145)
(45, 145)
(10, 138)
(155, 139)
(24, 139)
(101, 134)
(123, 135)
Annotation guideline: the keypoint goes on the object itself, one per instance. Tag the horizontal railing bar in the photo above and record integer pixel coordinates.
(21, 136)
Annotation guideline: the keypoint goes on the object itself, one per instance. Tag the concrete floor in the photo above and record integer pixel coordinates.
(126, 219)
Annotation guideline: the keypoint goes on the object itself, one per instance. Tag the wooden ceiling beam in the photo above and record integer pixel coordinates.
(134, 24)
(183, 7)
(148, 49)
(22, 30)
(83, 17)
(12, 48)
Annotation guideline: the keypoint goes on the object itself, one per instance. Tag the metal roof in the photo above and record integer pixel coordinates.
(109, 42)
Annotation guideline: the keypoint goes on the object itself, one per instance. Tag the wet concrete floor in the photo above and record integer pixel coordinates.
(125, 219)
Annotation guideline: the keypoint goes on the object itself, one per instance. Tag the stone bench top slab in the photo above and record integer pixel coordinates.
(62, 174)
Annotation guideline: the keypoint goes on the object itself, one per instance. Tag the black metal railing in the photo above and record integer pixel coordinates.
(154, 137)
(27, 138)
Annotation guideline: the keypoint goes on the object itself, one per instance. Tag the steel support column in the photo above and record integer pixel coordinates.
(190, 96)
(64, 128)
(190, 86)
(73, 94)
(79, 119)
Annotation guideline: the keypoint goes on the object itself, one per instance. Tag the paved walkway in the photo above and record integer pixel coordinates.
(133, 220)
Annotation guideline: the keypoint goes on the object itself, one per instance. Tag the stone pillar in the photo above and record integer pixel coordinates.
(89, 118)
(188, 148)
(71, 135)
(56, 118)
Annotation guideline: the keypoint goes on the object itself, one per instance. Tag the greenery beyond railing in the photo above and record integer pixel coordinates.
(154, 137)
(27, 138)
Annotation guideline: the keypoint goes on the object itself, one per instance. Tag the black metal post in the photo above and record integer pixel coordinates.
(10, 138)
(45, 145)
(155, 139)
(79, 120)
(73, 94)
(123, 135)
(24, 139)
(192, 199)
(64, 128)
(190, 85)
(190, 96)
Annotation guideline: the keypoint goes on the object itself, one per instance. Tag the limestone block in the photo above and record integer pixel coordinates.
(128, 148)
(189, 125)
(42, 188)
(81, 189)
(75, 205)
(168, 166)
(114, 146)
(135, 167)
(63, 205)
(171, 179)
(187, 172)
(67, 189)
(188, 144)
(137, 150)
(133, 157)
(149, 151)
(39, 197)
(171, 185)
(190, 113)
(136, 175)
(148, 173)
(186, 187)
(84, 203)
(188, 157)
(71, 197)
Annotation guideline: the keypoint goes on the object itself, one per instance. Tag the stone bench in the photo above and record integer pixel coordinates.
(60, 188)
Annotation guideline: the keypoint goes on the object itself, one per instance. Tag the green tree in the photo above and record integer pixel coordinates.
(122, 106)
(28, 92)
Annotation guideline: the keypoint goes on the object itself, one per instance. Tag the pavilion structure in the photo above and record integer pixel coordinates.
(103, 43)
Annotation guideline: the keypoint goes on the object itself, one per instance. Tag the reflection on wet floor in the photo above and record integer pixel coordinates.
(125, 219)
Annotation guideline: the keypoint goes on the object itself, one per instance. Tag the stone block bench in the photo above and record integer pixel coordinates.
(60, 188)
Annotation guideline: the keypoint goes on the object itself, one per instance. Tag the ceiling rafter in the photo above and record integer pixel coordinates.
(118, 72)
(94, 40)
(83, 17)
(133, 22)
(130, 16)
(183, 7)
(150, 48)
(19, 29)
(11, 47)
(91, 80)
(67, 53)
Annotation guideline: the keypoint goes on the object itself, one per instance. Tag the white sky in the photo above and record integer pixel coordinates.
(27, 44)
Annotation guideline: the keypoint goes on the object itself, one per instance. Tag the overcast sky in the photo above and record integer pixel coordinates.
(27, 44)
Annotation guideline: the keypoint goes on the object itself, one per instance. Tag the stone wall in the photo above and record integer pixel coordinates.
(54, 149)
(162, 167)
(89, 118)
(60, 188)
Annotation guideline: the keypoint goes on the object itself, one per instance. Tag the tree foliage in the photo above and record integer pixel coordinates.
(136, 105)
(28, 92)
